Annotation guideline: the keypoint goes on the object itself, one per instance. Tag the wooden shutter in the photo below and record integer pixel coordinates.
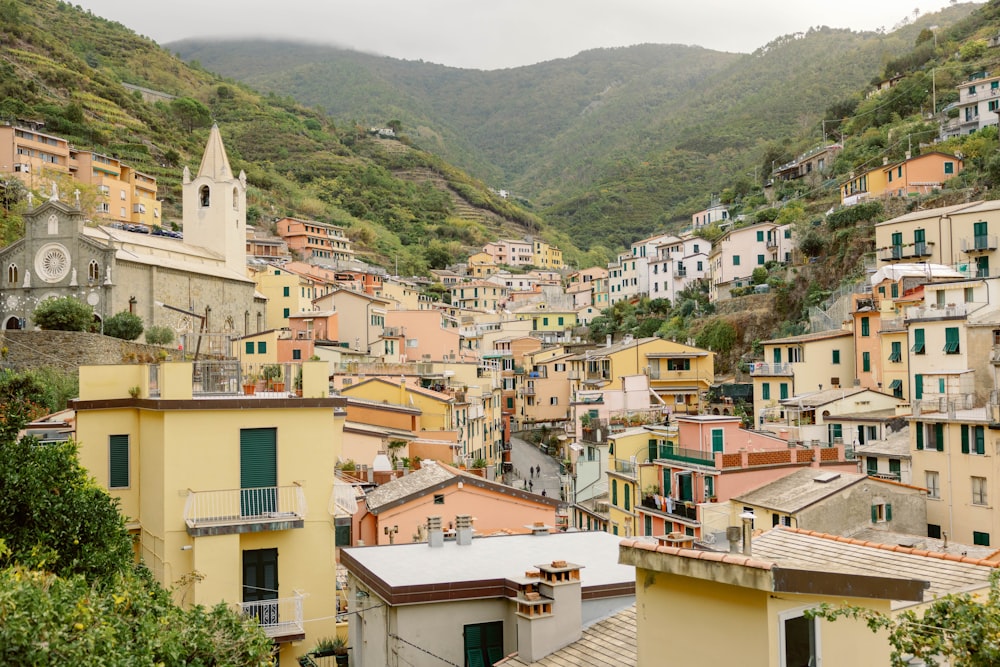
(965, 438)
(258, 470)
(118, 468)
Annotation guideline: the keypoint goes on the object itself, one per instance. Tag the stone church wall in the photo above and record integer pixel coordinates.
(69, 350)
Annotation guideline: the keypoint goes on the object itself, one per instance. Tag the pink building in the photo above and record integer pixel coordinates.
(403, 505)
(420, 335)
(510, 252)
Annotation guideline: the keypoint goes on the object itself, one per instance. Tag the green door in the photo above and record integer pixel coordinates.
(258, 471)
(686, 490)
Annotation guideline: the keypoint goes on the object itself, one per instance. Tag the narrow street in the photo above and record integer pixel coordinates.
(525, 455)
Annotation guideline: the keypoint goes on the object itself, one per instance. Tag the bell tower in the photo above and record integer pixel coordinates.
(215, 206)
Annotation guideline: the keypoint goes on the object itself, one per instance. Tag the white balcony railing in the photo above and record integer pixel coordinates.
(281, 619)
(244, 506)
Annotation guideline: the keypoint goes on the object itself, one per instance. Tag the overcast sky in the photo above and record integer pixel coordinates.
(503, 33)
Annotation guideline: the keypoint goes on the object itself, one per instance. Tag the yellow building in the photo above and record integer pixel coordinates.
(545, 256)
(287, 293)
(227, 495)
(801, 364)
(546, 389)
(760, 597)
(544, 318)
(481, 265)
(478, 295)
(678, 374)
(629, 471)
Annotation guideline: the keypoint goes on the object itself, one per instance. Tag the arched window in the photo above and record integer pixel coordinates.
(12, 274)
(205, 194)
(94, 271)
(236, 198)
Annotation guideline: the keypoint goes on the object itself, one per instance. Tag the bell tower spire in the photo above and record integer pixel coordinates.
(215, 205)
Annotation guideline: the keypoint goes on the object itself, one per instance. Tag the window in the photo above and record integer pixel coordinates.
(933, 482)
(980, 539)
(286, 291)
(296, 354)
(934, 530)
(12, 274)
(736, 260)
(918, 342)
(799, 639)
(260, 581)
(258, 471)
(983, 266)
(871, 465)
(979, 496)
(760, 260)
(553, 400)
(261, 347)
(205, 195)
(866, 362)
(249, 347)
(894, 290)
(896, 355)
(118, 468)
(836, 356)
(510, 403)
(765, 391)
(439, 499)
(865, 326)
(918, 386)
(935, 437)
(760, 236)
(483, 643)
(949, 167)
(881, 513)
(783, 391)
(951, 340)
(897, 388)
(286, 312)
(627, 492)
(614, 492)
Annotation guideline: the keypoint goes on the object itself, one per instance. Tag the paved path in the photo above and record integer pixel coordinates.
(525, 455)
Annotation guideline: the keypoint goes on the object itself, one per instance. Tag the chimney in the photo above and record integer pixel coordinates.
(549, 610)
(747, 518)
(607, 340)
(538, 528)
(463, 529)
(435, 535)
(733, 535)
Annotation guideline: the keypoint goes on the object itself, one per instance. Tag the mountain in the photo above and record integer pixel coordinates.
(608, 145)
(67, 70)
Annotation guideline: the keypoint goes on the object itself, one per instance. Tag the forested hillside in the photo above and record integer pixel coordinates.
(66, 68)
(608, 145)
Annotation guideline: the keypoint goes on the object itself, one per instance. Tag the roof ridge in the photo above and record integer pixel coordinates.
(892, 481)
(699, 554)
(894, 547)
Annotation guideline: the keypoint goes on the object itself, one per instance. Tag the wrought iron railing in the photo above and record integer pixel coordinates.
(279, 617)
(229, 506)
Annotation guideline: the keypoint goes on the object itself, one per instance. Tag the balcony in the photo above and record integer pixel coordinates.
(680, 273)
(625, 467)
(919, 250)
(686, 510)
(772, 242)
(530, 389)
(890, 476)
(891, 254)
(574, 375)
(953, 311)
(684, 455)
(598, 376)
(760, 369)
(281, 619)
(596, 432)
(892, 324)
(232, 511)
(980, 243)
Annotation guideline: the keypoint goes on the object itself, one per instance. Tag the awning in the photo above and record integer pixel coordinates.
(576, 447)
(895, 384)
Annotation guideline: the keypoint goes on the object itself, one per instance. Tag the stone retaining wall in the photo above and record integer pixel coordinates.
(69, 350)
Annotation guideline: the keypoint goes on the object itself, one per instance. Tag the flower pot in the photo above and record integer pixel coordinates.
(298, 392)
(277, 386)
(249, 389)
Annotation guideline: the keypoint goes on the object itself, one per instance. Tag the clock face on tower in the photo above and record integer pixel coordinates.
(52, 262)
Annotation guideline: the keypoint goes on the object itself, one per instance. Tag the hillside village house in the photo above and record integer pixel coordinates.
(231, 488)
(760, 596)
(813, 165)
(287, 293)
(315, 241)
(34, 157)
(361, 317)
(115, 270)
(678, 262)
(914, 175)
(510, 252)
(978, 102)
(713, 214)
(739, 251)
(480, 296)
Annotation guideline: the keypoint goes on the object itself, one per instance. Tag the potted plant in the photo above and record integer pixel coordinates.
(297, 383)
(586, 421)
(272, 375)
(327, 646)
(250, 384)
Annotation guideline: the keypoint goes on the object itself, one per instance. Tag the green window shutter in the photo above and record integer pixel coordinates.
(865, 326)
(286, 312)
(939, 436)
(965, 438)
(614, 492)
(783, 391)
(980, 440)
(666, 482)
(951, 340)
(777, 355)
(627, 490)
(286, 291)
(920, 435)
(918, 386)
(258, 470)
(118, 455)
(249, 347)
(261, 347)
(888, 512)
(760, 236)
(765, 391)
(894, 291)
(736, 260)
(836, 356)
(918, 341)
(718, 440)
(866, 362)
(760, 260)
(651, 451)
(874, 513)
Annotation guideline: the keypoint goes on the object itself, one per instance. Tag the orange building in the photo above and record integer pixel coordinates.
(317, 240)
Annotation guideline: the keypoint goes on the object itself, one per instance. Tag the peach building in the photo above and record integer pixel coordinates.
(398, 510)
(421, 335)
(315, 240)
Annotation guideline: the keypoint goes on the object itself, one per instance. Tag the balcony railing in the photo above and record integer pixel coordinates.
(684, 455)
(244, 510)
(281, 618)
(596, 376)
(937, 312)
(573, 375)
(980, 243)
(891, 476)
(892, 324)
(530, 389)
(625, 467)
(679, 508)
(760, 368)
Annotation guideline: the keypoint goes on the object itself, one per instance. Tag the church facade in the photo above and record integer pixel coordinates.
(166, 281)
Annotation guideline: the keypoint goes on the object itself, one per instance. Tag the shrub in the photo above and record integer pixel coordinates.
(159, 335)
(123, 325)
(65, 314)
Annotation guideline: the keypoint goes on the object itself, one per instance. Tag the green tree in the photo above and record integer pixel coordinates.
(759, 275)
(124, 325)
(191, 113)
(719, 335)
(159, 335)
(960, 629)
(63, 314)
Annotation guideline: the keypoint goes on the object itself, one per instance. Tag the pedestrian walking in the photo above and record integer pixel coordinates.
(531, 487)
(543, 492)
